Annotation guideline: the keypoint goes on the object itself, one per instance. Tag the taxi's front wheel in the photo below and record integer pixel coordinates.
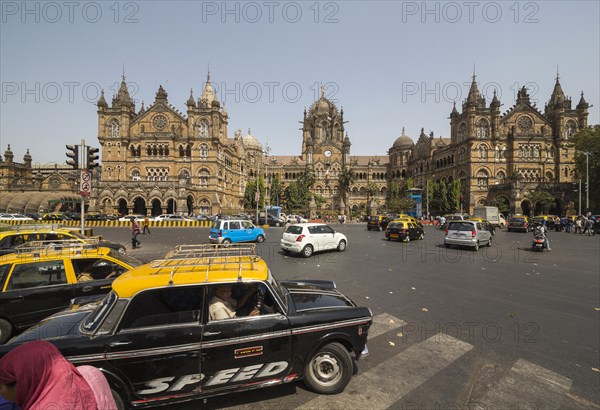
(5, 331)
(118, 400)
(329, 371)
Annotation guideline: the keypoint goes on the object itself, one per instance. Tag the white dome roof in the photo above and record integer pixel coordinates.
(251, 142)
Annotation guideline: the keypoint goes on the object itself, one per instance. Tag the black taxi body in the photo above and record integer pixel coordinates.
(378, 222)
(36, 282)
(403, 231)
(156, 341)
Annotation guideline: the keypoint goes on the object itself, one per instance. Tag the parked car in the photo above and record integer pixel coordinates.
(130, 217)
(378, 222)
(55, 217)
(37, 282)
(226, 231)
(170, 217)
(294, 219)
(10, 239)
(154, 340)
(271, 221)
(307, 238)
(518, 224)
(401, 230)
(15, 218)
(467, 233)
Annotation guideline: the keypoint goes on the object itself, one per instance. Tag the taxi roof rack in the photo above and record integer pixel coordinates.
(57, 245)
(208, 255)
(36, 226)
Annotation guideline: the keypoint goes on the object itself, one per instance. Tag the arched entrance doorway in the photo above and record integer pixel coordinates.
(156, 207)
(123, 207)
(139, 206)
(171, 206)
(538, 209)
(526, 207)
(556, 208)
(190, 204)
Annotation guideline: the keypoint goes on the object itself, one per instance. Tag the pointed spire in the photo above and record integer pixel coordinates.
(558, 96)
(495, 101)
(8, 154)
(402, 130)
(161, 95)
(454, 112)
(123, 97)
(190, 102)
(474, 99)
(27, 156)
(523, 96)
(583, 105)
(208, 95)
(322, 91)
(101, 101)
(142, 109)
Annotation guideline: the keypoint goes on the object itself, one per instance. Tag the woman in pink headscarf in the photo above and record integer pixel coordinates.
(36, 376)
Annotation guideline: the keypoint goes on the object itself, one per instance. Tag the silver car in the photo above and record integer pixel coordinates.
(467, 233)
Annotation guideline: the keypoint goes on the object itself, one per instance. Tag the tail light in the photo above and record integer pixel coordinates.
(446, 232)
(299, 238)
(473, 234)
(525, 224)
(220, 233)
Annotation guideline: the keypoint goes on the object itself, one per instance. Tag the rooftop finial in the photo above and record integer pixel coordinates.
(123, 77)
(402, 130)
(474, 75)
(208, 73)
(322, 91)
(557, 75)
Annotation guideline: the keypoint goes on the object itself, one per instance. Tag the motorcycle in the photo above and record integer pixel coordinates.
(538, 244)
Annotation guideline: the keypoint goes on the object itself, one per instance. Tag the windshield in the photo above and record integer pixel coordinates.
(460, 226)
(94, 320)
(133, 262)
(281, 291)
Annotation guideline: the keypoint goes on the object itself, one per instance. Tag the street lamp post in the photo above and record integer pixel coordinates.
(587, 181)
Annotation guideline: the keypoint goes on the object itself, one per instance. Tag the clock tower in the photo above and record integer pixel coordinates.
(323, 134)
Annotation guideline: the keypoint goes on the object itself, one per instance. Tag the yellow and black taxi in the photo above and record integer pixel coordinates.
(22, 234)
(403, 230)
(41, 279)
(160, 339)
(378, 222)
(518, 223)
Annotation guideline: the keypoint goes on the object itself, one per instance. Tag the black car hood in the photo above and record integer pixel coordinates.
(313, 294)
(59, 325)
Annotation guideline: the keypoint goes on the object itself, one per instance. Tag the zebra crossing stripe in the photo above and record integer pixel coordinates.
(527, 386)
(390, 381)
(383, 323)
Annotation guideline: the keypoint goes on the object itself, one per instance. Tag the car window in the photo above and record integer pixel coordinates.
(216, 224)
(294, 229)
(327, 229)
(93, 269)
(247, 225)
(166, 306)
(3, 272)
(460, 226)
(37, 274)
(234, 225)
(314, 229)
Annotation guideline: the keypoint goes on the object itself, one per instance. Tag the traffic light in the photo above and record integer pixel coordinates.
(92, 157)
(73, 153)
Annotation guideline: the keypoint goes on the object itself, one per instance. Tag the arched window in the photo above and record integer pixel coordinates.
(188, 151)
(483, 152)
(482, 128)
(551, 152)
(204, 177)
(203, 151)
(462, 131)
(114, 128)
(181, 152)
(500, 177)
(135, 175)
(482, 179)
(203, 129)
(570, 128)
(549, 176)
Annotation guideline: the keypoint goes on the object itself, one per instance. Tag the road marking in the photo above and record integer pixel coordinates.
(527, 386)
(383, 323)
(388, 382)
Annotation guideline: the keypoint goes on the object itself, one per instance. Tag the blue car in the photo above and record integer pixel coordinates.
(224, 231)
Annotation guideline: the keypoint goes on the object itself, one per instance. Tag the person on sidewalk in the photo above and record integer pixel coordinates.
(135, 231)
(146, 224)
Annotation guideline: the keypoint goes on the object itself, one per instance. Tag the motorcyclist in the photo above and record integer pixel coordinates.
(540, 231)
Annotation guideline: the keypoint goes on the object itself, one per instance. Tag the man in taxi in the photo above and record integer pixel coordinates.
(223, 306)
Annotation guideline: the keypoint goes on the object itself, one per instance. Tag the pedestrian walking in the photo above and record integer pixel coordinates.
(135, 231)
(146, 224)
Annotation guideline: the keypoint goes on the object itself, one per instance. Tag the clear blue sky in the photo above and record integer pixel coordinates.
(389, 64)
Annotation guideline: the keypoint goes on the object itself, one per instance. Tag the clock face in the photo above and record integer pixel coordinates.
(327, 153)
(525, 123)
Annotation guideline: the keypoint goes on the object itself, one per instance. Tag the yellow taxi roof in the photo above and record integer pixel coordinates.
(189, 271)
(53, 254)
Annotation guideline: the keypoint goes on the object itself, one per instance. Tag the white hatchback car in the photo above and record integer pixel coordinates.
(306, 238)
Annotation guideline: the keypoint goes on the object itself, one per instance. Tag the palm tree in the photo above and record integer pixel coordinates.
(345, 179)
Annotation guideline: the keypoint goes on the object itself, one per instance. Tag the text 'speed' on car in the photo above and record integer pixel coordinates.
(211, 320)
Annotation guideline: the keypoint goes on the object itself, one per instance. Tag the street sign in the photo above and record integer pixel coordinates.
(85, 183)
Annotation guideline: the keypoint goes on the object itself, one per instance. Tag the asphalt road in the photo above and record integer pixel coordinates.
(499, 328)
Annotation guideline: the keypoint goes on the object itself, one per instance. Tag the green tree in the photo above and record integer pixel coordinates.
(544, 198)
(395, 191)
(371, 189)
(453, 194)
(410, 183)
(588, 140)
(345, 179)
(503, 204)
(297, 194)
(401, 205)
(276, 194)
(439, 197)
(249, 194)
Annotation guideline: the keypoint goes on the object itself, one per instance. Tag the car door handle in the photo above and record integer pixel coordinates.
(114, 344)
(211, 333)
(17, 299)
(88, 288)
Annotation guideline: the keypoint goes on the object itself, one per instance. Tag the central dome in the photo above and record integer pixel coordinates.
(251, 142)
(403, 141)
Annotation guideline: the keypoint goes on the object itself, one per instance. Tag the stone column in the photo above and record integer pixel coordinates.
(312, 208)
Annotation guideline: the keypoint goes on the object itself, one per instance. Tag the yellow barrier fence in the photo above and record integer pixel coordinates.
(113, 224)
